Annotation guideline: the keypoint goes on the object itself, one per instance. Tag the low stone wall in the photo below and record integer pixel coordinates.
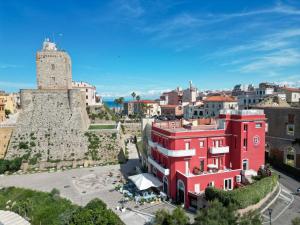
(260, 203)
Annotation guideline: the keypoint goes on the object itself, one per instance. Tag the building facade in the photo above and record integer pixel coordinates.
(188, 159)
(9, 101)
(283, 134)
(2, 110)
(193, 111)
(89, 90)
(213, 104)
(148, 108)
(172, 111)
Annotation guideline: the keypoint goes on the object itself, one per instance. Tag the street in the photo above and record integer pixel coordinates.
(287, 205)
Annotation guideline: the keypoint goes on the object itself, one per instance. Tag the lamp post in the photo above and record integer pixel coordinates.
(270, 215)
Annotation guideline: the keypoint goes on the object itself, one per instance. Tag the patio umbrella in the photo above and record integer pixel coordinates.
(144, 181)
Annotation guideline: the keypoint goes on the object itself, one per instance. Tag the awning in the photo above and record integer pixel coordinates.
(144, 181)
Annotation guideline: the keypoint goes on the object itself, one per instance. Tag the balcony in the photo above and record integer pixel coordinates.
(176, 153)
(219, 150)
(152, 144)
(161, 169)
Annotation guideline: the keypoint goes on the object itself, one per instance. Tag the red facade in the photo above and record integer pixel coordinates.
(189, 158)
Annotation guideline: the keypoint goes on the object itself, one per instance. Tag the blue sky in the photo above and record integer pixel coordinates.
(149, 46)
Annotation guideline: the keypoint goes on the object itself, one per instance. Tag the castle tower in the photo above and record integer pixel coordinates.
(53, 67)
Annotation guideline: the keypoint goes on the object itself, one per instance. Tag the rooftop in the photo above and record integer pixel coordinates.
(221, 98)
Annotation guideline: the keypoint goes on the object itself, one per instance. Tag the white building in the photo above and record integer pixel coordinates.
(292, 94)
(90, 92)
(213, 104)
(193, 111)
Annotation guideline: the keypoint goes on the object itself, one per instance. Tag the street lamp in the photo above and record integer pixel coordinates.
(270, 215)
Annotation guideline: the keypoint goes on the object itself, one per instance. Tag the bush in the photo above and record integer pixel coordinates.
(96, 213)
(244, 196)
(10, 165)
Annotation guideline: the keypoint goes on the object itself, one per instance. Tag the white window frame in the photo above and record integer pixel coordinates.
(228, 189)
(197, 188)
(201, 144)
(211, 184)
(258, 125)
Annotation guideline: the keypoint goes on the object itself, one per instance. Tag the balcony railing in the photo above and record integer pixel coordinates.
(152, 144)
(176, 153)
(172, 153)
(160, 168)
(219, 150)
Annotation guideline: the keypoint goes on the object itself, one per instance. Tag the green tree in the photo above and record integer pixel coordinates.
(178, 217)
(96, 213)
(216, 214)
(296, 221)
(7, 112)
(133, 94)
(251, 218)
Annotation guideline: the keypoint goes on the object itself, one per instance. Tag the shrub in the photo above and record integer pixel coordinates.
(243, 196)
(23, 145)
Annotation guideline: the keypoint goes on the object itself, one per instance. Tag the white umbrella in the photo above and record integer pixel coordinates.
(144, 181)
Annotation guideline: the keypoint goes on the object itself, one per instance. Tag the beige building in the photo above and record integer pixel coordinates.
(213, 104)
(2, 110)
(5, 134)
(9, 101)
(89, 90)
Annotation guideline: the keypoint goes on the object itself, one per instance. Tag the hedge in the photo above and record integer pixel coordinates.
(244, 196)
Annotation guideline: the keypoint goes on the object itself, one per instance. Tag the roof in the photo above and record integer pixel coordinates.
(291, 89)
(168, 106)
(11, 218)
(221, 98)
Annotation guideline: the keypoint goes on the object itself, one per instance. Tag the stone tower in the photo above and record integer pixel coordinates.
(53, 118)
(53, 68)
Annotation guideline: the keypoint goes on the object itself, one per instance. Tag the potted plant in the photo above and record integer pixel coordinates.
(196, 170)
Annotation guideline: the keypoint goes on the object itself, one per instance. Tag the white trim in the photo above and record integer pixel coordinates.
(161, 169)
(219, 150)
(176, 153)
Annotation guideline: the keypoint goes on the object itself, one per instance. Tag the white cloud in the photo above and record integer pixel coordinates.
(282, 58)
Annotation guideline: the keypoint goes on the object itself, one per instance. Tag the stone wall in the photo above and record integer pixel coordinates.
(5, 134)
(51, 126)
(53, 70)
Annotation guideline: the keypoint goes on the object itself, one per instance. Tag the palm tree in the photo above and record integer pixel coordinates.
(133, 94)
(121, 101)
(138, 98)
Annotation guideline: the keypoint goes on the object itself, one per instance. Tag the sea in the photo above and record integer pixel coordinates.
(110, 104)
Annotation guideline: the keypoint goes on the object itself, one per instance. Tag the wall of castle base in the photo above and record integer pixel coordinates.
(51, 126)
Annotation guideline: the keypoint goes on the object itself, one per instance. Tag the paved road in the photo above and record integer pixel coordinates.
(287, 205)
(83, 184)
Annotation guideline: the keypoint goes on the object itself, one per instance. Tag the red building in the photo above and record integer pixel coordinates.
(187, 158)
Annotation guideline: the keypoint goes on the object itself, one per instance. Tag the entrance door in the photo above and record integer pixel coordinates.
(180, 192)
(165, 186)
(245, 164)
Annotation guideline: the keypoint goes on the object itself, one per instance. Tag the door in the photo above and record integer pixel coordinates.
(187, 145)
(201, 165)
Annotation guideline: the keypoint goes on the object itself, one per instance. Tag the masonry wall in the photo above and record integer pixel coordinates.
(5, 134)
(53, 70)
(51, 125)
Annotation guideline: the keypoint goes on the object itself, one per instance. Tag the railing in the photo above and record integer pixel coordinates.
(242, 112)
(160, 168)
(176, 153)
(219, 150)
(172, 153)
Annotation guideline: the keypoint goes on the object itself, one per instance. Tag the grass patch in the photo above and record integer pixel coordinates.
(102, 126)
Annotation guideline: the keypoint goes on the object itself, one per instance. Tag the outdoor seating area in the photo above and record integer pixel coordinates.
(141, 190)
